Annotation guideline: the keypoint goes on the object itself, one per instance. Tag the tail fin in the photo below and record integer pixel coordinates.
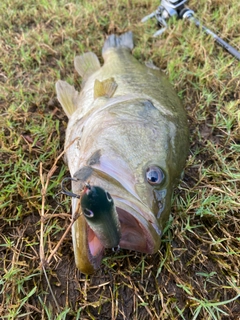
(113, 41)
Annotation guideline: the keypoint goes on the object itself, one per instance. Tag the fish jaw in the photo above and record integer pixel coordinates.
(88, 250)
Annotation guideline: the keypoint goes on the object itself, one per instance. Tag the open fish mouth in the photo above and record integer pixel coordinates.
(135, 235)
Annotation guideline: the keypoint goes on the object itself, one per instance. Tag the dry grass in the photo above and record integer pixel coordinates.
(195, 274)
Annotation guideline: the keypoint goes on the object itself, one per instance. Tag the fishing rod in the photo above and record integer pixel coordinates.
(177, 8)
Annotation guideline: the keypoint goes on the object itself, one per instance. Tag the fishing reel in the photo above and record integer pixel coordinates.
(177, 8)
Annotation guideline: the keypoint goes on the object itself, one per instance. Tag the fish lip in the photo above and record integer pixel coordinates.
(87, 260)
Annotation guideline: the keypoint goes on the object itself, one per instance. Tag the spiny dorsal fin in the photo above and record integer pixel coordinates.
(67, 96)
(86, 64)
(105, 88)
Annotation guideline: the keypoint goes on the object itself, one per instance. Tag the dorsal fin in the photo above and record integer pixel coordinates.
(86, 64)
(67, 96)
(105, 88)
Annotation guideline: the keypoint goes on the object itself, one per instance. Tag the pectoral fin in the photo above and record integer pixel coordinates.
(67, 96)
(105, 88)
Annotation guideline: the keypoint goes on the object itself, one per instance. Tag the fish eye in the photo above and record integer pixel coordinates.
(154, 175)
(88, 213)
(109, 197)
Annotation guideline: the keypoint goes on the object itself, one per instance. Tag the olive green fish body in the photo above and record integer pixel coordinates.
(129, 136)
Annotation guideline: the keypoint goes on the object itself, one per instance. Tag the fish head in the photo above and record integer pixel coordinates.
(132, 150)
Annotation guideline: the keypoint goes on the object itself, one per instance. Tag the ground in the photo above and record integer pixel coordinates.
(195, 273)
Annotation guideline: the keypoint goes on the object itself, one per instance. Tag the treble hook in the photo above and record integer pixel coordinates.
(69, 193)
(65, 191)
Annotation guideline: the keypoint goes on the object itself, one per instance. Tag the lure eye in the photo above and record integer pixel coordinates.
(88, 213)
(109, 197)
(154, 175)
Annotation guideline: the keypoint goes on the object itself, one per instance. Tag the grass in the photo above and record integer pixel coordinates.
(195, 274)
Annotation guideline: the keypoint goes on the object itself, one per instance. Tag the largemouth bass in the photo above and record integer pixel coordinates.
(129, 136)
